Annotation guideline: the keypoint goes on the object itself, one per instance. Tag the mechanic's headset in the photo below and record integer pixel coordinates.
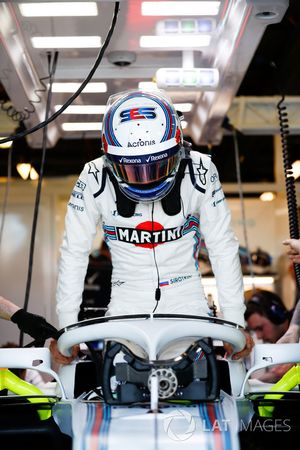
(269, 306)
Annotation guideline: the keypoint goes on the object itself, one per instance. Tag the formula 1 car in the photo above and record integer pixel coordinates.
(153, 381)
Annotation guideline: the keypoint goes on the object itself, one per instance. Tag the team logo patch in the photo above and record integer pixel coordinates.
(93, 170)
(202, 171)
(80, 184)
(145, 112)
(150, 234)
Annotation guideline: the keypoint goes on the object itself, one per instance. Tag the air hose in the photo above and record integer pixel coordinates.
(289, 179)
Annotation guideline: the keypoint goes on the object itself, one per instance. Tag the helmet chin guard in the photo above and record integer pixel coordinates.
(142, 140)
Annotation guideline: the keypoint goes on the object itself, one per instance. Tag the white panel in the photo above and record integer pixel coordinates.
(14, 262)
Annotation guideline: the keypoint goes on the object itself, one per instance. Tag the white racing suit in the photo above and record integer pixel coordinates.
(151, 248)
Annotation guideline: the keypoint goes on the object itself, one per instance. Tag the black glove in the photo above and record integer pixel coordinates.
(34, 325)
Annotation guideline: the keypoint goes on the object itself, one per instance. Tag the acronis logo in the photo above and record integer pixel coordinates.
(138, 114)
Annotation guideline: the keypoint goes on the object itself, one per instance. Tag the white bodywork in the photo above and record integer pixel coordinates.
(209, 424)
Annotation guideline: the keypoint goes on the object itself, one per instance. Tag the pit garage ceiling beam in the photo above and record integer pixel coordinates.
(243, 27)
(259, 115)
(19, 76)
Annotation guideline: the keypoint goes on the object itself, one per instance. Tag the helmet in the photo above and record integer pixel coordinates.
(143, 143)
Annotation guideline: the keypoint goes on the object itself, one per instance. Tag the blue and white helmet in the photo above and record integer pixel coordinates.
(143, 143)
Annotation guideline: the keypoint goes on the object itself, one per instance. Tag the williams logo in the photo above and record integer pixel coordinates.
(137, 114)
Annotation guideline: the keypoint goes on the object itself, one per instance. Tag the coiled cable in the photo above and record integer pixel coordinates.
(289, 178)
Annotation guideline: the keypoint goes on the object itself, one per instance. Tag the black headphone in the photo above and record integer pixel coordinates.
(270, 305)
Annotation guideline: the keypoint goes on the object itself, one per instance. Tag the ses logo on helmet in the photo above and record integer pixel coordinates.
(137, 114)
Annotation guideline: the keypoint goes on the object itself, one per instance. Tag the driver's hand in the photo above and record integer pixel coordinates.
(246, 350)
(58, 357)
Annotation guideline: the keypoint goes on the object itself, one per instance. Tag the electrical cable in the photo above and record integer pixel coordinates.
(228, 126)
(242, 202)
(289, 179)
(6, 193)
(157, 290)
(52, 63)
(79, 90)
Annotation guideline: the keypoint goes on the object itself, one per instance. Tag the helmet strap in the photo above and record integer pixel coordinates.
(125, 206)
(171, 202)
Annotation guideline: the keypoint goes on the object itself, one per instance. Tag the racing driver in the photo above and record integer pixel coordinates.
(155, 199)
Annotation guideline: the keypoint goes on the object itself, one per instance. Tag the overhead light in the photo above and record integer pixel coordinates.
(175, 41)
(248, 280)
(147, 86)
(267, 196)
(97, 87)
(296, 169)
(7, 144)
(185, 26)
(33, 175)
(83, 109)
(56, 9)
(66, 41)
(187, 78)
(82, 126)
(24, 170)
(183, 107)
(180, 8)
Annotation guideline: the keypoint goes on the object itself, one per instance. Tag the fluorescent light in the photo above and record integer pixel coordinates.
(6, 144)
(296, 169)
(258, 281)
(72, 87)
(57, 9)
(83, 109)
(187, 78)
(267, 196)
(82, 126)
(183, 107)
(23, 170)
(180, 8)
(66, 41)
(175, 41)
(147, 86)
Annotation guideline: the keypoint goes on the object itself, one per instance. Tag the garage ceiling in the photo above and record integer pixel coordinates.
(246, 48)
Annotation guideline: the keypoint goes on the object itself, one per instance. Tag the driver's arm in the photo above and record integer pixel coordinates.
(222, 245)
(80, 229)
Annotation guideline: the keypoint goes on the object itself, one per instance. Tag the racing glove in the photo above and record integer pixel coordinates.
(34, 325)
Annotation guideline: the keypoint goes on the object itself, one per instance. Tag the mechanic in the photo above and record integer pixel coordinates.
(155, 199)
(266, 315)
(32, 324)
(292, 335)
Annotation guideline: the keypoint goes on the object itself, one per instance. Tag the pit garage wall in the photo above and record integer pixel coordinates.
(266, 224)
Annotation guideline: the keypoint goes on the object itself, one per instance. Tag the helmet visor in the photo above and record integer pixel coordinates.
(146, 173)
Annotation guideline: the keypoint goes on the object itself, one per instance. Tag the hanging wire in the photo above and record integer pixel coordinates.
(79, 90)
(20, 116)
(242, 202)
(52, 63)
(6, 193)
(289, 179)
